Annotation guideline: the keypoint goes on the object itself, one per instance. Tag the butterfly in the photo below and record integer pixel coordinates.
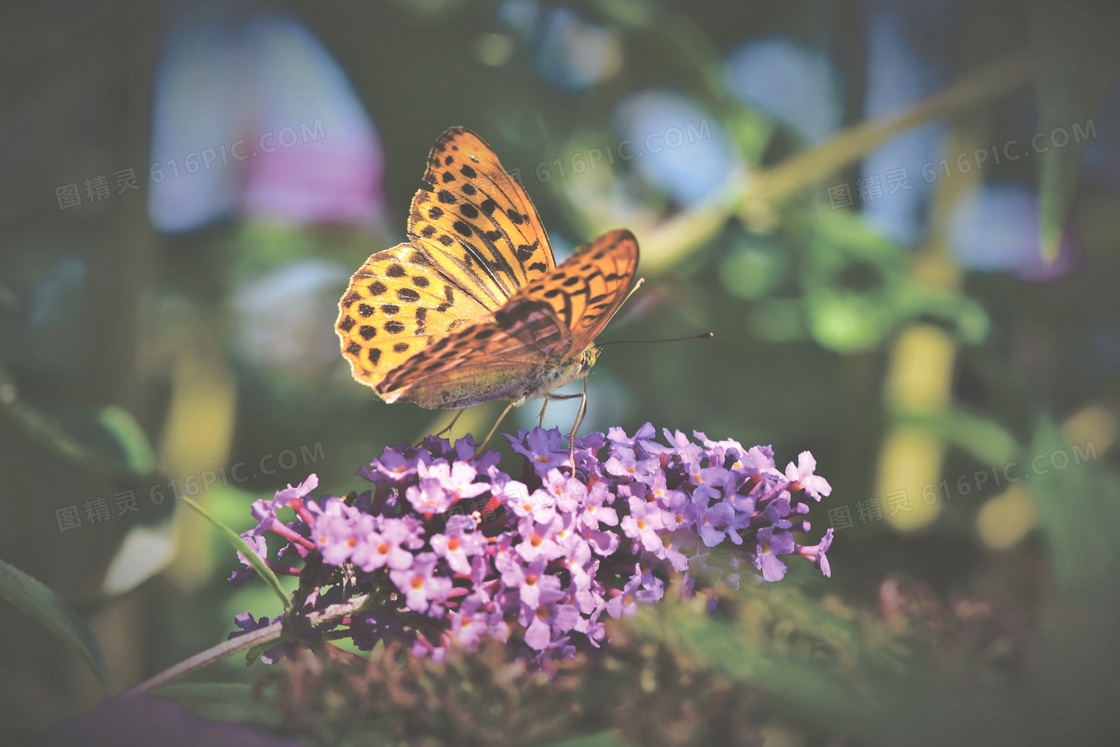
(473, 307)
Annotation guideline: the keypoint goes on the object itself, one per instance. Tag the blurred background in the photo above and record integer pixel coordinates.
(899, 221)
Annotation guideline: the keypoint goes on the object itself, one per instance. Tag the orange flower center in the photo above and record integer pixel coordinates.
(453, 544)
(417, 582)
(383, 548)
(535, 540)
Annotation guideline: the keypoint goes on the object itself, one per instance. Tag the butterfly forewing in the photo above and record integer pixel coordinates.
(589, 286)
(477, 222)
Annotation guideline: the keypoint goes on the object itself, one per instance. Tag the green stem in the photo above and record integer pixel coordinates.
(273, 632)
(992, 81)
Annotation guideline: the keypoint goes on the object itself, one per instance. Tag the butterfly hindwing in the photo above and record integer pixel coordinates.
(396, 305)
(492, 359)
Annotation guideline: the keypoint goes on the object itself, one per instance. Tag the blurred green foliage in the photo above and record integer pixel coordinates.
(927, 634)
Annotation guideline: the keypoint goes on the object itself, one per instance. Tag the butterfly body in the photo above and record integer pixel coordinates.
(473, 308)
(502, 384)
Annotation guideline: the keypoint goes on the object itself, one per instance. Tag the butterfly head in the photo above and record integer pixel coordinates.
(588, 358)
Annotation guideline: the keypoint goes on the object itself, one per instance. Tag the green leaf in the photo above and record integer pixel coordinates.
(130, 437)
(1078, 507)
(1076, 57)
(60, 618)
(108, 439)
(239, 544)
(869, 691)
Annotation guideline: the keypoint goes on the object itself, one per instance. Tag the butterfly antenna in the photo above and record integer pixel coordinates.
(637, 285)
(704, 336)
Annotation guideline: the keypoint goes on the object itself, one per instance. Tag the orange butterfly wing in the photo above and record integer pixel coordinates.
(589, 286)
(540, 330)
(478, 220)
(475, 240)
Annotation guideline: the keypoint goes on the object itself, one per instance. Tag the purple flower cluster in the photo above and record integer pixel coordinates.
(451, 547)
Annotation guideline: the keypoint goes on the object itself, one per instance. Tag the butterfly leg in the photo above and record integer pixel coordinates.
(579, 419)
(452, 423)
(445, 430)
(543, 406)
(501, 417)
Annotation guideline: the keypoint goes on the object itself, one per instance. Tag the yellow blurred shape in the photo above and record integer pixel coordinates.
(1093, 424)
(494, 49)
(196, 439)
(919, 382)
(909, 462)
(1004, 520)
(200, 417)
(921, 369)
